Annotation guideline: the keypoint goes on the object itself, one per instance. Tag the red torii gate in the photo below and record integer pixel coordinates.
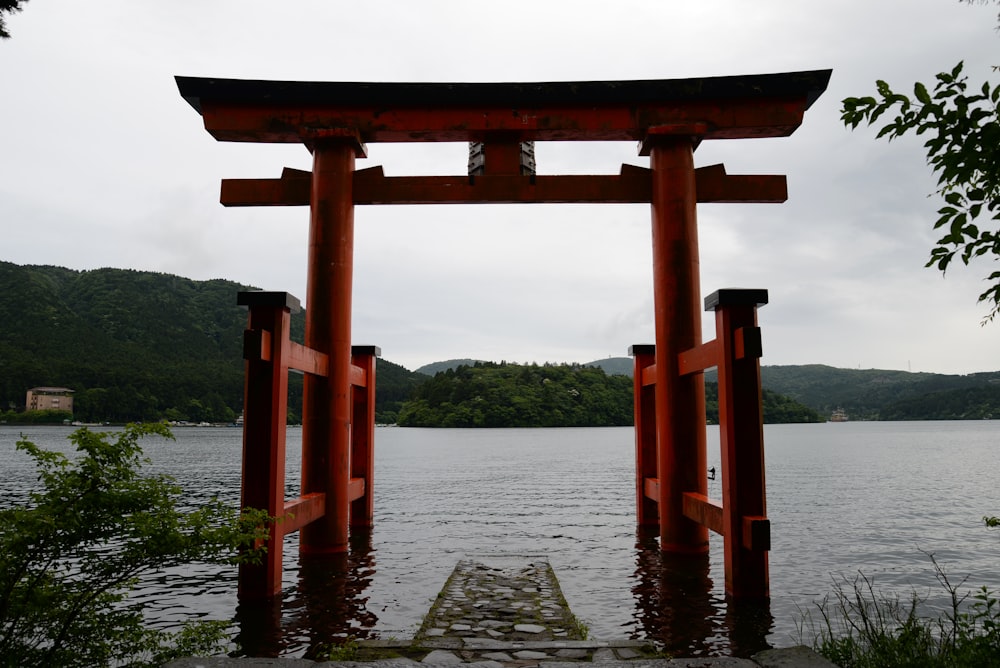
(668, 118)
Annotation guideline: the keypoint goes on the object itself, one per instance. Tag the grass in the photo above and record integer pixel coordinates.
(351, 649)
(346, 650)
(578, 629)
(862, 627)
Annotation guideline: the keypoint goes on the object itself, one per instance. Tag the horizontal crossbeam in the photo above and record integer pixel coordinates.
(257, 346)
(632, 185)
(301, 511)
(699, 358)
(704, 511)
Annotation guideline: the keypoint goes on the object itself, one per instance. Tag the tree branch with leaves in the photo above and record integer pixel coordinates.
(963, 149)
(8, 7)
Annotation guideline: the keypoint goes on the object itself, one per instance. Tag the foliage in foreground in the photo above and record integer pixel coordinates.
(963, 149)
(862, 627)
(69, 557)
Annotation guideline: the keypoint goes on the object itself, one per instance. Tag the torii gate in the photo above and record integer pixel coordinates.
(668, 119)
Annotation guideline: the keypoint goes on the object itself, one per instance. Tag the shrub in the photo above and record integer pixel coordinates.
(69, 557)
(864, 628)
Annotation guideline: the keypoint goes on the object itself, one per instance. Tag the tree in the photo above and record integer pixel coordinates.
(69, 557)
(8, 7)
(963, 149)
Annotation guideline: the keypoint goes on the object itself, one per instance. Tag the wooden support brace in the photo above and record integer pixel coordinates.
(715, 186)
(301, 511)
(649, 375)
(704, 511)
(257, 347)
(357, 376)
(652, 488)
(355, 489)
(698, 358)
(308, 360)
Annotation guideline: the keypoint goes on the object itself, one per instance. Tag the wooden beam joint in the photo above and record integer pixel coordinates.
(704, 511)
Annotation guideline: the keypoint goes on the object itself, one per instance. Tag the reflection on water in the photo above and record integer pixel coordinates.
(841, 498)
(327, 605)
(677, 605)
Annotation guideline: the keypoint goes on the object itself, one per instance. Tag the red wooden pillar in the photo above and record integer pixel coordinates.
(745, 525)
(680, 401)
(326, 424)
(647, 513)
(265, 412)
(363, 435)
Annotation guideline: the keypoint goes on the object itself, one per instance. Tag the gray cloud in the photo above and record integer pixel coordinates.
(104, 165)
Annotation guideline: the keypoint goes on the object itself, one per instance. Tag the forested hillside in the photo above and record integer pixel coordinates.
(486, 394)
(872, 394)
(136, 345)
(146, 346)
(505, 395)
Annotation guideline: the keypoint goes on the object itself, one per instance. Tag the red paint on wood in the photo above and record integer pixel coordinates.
(301, 511)
(265, 413)
(705, 511)
(326, 426)
(632, 185)
(698, 358)
(647, 492)
(626, 121)
(362, 509)
(651, 487)
(679, 400)
(742, 434)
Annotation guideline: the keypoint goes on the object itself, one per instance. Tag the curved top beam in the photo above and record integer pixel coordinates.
(762, 105)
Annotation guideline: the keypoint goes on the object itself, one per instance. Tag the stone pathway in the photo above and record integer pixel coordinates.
(501, 598)
(507, 611)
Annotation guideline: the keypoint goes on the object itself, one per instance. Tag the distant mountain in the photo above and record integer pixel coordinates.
(434, 368)
(870, 394)
(615, 366)
(873, 394)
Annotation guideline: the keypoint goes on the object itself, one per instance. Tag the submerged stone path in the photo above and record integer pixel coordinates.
(501, 598)
(507, 611)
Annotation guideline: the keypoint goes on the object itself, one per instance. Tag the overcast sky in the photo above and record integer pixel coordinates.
(102, 164)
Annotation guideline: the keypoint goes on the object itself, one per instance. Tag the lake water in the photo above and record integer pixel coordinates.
(842, 497)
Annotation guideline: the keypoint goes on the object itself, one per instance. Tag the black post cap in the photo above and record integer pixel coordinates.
(273, 299)
(735, 297)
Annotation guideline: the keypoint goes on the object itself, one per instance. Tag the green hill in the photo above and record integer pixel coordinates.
(137, 345)
(511, 395)
(871, 394)
(145, 346)
(874, 394)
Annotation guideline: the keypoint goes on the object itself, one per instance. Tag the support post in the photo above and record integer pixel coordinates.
(265, 411)
(363, 435)
(644, 393)
(326, 424)
(746, 528)
(679, 400)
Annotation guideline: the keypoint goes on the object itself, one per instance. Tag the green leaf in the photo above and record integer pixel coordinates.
(920, 92)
